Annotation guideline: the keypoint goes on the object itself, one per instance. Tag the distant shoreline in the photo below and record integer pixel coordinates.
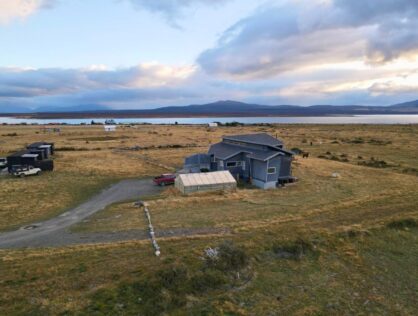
(116, 115)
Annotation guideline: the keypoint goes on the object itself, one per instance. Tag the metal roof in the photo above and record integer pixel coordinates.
(197, 159)
(225, 151)
(20, 153)
(265, 155)
(260, 139)
(37, 144)
(208, 178)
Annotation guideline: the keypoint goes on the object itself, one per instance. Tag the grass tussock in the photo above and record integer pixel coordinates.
(403, 224)
(296, 250)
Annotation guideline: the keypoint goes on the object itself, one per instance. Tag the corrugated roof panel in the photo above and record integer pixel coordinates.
(209, 178)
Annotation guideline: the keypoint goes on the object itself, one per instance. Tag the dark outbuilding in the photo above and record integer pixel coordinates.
(36, 155)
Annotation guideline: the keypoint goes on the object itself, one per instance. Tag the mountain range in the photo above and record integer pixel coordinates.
(217, 109)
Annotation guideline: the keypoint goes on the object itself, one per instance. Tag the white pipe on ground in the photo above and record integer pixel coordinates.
(151, 228)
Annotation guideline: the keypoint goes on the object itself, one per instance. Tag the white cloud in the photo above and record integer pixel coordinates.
(20, 9)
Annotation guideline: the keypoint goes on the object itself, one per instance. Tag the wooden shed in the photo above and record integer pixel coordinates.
(210, 181)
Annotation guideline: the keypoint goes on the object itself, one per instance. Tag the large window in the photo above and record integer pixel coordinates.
(271, 170)
(233, 164)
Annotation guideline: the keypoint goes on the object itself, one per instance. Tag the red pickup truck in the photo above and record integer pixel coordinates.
(165, 179)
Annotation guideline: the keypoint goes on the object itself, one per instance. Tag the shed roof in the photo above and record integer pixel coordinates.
(209, 178)
(30, 155)
(38, 144)
(260, 138)
(20, 153)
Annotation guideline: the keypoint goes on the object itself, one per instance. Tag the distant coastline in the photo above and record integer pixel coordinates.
(113, 115)
(222, 109)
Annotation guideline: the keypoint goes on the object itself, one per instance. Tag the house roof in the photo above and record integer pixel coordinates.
(208, 178)
(265, 155)
(197, 159)
(225, 151)
(260, 138)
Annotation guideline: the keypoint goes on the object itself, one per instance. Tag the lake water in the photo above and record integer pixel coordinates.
(355, 119)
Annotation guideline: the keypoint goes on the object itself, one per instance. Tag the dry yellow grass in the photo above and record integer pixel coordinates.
(371, 272)
(101, 158)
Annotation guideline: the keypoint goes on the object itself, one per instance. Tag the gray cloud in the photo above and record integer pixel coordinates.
(135, 87)
(281, 38)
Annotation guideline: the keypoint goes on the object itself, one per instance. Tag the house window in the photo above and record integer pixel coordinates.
(271, 170)
(233, 164)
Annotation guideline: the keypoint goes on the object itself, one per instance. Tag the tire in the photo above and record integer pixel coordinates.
(22, 175)
(38, 173)
(162, 184)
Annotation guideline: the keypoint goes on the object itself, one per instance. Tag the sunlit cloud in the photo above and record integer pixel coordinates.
(20, 9)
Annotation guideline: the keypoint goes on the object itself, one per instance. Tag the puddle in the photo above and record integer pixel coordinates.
(30, 227)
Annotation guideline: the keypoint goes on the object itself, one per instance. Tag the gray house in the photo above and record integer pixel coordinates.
(259, 158)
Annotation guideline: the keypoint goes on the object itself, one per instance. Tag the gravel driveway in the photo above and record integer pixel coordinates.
(54, 232)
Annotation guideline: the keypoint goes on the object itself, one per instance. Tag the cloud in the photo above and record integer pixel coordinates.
(297, 34)
(17, 82)
(152, 85)
(147, 83)
(173, 10)
(20, 9)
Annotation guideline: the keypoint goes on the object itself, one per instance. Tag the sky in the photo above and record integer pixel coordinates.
(137, 54)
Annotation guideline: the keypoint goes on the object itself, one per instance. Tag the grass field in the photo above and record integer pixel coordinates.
(324, 246)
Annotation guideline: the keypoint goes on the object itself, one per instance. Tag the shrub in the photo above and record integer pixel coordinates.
(374, 163)
(229, 258)
(357, 140)
(294, 250)
(173, 277)
(403, 223)
(209, 279)
(297, 150)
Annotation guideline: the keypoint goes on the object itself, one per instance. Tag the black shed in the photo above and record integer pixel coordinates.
(22, 158)
(48, 148)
